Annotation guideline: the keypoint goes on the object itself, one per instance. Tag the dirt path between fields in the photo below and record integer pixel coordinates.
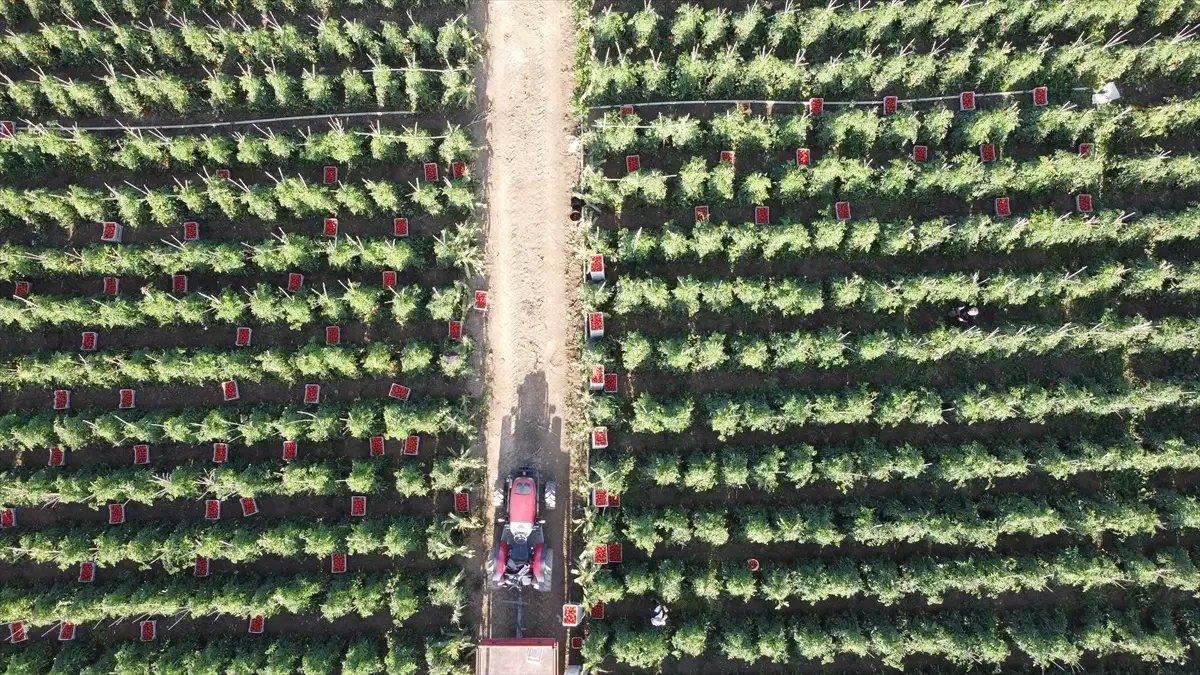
(531, 318)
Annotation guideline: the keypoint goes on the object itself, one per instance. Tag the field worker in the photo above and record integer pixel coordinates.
(965, 315)
(658, 614)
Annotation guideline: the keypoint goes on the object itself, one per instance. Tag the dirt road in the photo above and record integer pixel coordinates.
(530, 177)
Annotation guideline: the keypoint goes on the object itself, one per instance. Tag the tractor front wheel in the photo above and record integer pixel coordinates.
(550, 497)
(498, 496)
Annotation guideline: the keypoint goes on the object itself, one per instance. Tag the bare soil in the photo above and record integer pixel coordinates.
(530, 176)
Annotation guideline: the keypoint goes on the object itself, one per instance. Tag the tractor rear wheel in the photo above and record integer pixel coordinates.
(490, 568)
(547, 570)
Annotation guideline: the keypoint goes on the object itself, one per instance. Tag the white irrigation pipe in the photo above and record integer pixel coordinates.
(845, 103)
(414, 68)
(225, 123)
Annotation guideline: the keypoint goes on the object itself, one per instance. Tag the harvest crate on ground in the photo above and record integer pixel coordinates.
(190, 195)
(906, 320)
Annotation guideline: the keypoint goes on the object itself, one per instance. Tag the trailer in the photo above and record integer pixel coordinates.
(517, 656)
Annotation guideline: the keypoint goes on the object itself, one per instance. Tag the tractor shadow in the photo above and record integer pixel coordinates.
(531, 435)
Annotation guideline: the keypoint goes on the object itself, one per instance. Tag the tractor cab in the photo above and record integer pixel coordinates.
(522, 507)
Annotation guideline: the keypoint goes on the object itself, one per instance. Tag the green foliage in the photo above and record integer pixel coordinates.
(638, 647)
(266, 304)
(287, 198)
(700, 63)
(245, 596)
(206, 365)
(952, 521)
(176, 546)
(253, 424)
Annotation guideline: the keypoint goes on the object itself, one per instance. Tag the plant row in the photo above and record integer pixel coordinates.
(792, 297)
(97, 487)
(264, 304)
(286, 198)
(175, 546)
(849, 131)
(859, 131)
(849, 466)
(892, 238)
(205, 365)
(245, 425)
(50, 10)
(40, 150)
(799, 297)
(962, 177)
(394, 653)
(929, 577)
(778, 410)
(188, 44)
(282, 253)
(864, 72)
(832, 347)
(948, 520)
(364, 594)
(822, 31)
(1049, 637)
(260, 89)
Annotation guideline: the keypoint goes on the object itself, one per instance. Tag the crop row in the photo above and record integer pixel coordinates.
(365, 594)
(49, 10)
(828, 30)
(865, 72)
(850, 466)
(779, 410)
(395, 653)
(283, 253)
(248, 425)
(961, 177)
(832, 347)
(798, 297)
(41, 149)
(902, 237)
(859, 131)
(140, 94)
(318, 478)
(951, 520)
(849, 131)
(182, 365)
(1049, 637)
(184, 44)
(175, 546)
(931, 577)
(287, 197)
(265, 304)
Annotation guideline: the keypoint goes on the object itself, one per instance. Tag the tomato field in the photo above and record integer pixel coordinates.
(235, 245)
(904, 326)
(889, 314)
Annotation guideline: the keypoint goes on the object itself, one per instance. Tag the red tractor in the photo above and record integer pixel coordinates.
(521, 556)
